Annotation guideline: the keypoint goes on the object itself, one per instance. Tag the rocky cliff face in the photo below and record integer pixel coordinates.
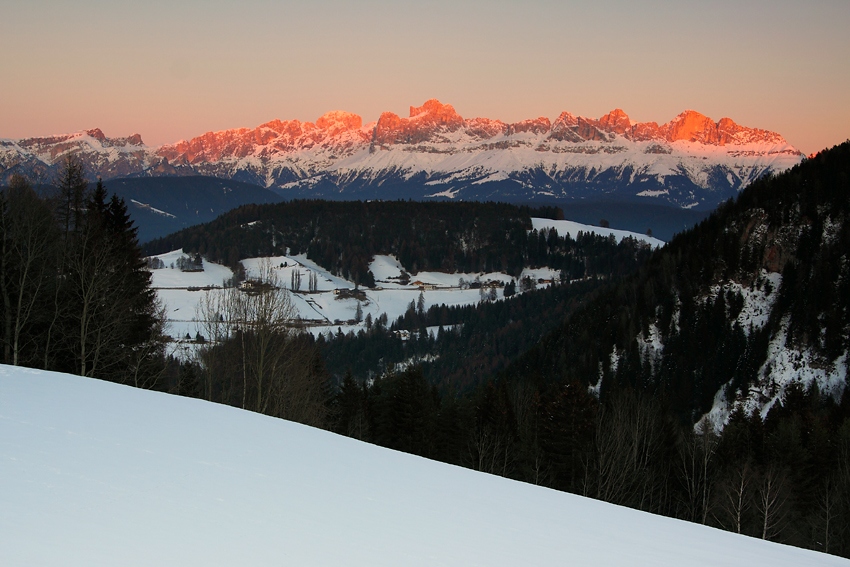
(691, 161)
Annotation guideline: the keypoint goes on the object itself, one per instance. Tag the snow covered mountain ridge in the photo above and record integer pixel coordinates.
(691, 161)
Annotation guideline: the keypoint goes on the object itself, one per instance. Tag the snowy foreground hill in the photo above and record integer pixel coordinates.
(93, 473)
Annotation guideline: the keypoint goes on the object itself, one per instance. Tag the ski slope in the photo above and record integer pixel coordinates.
(97, 474)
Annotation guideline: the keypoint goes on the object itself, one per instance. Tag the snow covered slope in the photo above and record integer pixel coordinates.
(94, 473)
(324, 311)
(574, 228)
(691, 161)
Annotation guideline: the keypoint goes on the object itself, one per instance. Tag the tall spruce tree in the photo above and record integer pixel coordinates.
(109, 324)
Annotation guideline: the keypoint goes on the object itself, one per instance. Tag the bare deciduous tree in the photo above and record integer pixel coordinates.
(489, 451)
(277, 371)
(695, 460)
(628, 445)
(144, 370)
(27, 237)
(771, 499)
(210, 315)
(90, 279)
(826, 520)
(734, 496)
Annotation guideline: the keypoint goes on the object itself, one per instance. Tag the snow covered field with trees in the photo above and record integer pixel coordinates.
(316, 297)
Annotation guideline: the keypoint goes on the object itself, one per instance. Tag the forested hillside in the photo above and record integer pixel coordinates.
(462, 346)
(747, 313)
(712, 309)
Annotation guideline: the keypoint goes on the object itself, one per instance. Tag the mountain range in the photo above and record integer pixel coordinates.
(690, 162)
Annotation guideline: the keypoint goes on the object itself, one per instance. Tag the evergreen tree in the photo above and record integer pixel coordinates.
(76, 290)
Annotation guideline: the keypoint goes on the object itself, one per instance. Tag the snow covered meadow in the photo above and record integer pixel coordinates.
(327, 311)
(93, 473)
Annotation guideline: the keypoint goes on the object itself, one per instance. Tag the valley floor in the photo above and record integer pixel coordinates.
(331, 307)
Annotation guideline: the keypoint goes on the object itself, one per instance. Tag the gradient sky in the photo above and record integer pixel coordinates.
(175, 69)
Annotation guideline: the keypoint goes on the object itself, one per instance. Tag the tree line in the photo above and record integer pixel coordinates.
(468, 345)
(343, 237)
(784, 478)
(76, 298)
(75, 291)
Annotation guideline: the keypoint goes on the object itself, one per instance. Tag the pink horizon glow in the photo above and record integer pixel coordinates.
(175, 72)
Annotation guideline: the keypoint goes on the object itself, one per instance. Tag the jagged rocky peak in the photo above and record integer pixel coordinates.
(616, 121)
(107, 142)
(79, 141)
(539, 125)
(96, 133)
(645, 131)
(338, 121)
(564, 128)
(484, 128)
(570, 128)
(691, 126)
(131, 140)
(289, 128)
(424, 121)
(433, 111)
(214, 146)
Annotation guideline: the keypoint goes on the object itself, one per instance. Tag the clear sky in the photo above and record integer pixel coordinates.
(174, 69)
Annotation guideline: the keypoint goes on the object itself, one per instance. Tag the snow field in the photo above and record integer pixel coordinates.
(573, 228)
(324, 310)
(95, 473)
